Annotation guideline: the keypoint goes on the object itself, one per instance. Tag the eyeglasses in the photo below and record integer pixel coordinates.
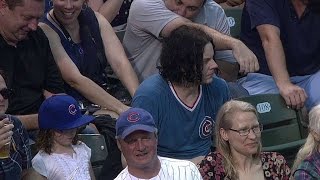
(6, 93)
(245, 132)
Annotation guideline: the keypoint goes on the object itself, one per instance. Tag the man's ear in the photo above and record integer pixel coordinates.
(119, 145)
(224, 134)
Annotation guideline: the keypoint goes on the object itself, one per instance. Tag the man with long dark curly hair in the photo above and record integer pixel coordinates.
(185, 96)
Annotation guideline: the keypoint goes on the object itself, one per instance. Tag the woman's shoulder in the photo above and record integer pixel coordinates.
(309, 167)
(82, 148)
(212, 166)
(311, 162)
(80, 145)
(274, 165)
(41, 157)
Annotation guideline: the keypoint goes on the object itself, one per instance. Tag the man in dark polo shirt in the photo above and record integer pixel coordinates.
(26, 57)
(284, 35)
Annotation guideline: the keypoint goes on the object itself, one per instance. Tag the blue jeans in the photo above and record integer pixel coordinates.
(256, 83)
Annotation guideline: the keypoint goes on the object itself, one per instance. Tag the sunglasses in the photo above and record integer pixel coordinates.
(6, 93)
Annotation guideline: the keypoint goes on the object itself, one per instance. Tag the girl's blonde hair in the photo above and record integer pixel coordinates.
(311, 144)
(224, 120)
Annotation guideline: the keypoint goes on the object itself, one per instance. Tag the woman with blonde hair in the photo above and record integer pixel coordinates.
(307, 163)
(238, 143)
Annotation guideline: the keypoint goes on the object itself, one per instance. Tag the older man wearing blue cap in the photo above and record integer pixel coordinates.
(136, 135)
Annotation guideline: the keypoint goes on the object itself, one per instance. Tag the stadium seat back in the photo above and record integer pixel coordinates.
(99, 152)
(120, 34)
(281, 124)
(234, 20)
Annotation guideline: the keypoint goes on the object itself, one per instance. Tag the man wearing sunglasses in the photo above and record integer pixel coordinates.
(26, 57)
(12, 134)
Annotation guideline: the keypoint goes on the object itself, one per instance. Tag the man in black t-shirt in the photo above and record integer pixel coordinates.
(26, 57)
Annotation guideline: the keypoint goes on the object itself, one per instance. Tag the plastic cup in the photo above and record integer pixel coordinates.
(5, 151)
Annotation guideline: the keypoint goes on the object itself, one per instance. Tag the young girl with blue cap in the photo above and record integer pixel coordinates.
(61, 156)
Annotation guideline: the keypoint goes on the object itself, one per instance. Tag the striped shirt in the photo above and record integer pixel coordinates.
(171, 169)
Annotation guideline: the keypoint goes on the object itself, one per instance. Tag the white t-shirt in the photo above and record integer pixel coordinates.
(62, 166)
(171, 169)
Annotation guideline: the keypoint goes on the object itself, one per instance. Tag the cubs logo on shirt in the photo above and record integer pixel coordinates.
(206, 127)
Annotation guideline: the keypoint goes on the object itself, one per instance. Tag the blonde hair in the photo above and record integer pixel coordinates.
(224, 121)
(311, 144)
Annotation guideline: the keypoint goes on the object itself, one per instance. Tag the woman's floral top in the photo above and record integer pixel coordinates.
(274, 166)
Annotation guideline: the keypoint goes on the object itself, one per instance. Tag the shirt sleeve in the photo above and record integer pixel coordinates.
(87, 150)
(284, 169)
(223, 27)
(195, 172)
(22, 143)
(208, 166)
(262, 12)
(306, 170)
(141, 100)
(150, 16)
(220, 23)
(302, 175)
(277, 165)
(26, 153)
(39, 165)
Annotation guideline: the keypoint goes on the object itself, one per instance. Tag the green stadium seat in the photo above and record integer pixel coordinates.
(99, 152)
(234, 20)
(120, 34)
(282, 129)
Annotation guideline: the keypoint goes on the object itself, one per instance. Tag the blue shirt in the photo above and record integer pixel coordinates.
(300, 37)
(89, 55)
(184, 132)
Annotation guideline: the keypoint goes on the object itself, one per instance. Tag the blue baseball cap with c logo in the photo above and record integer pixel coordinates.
(61, 112)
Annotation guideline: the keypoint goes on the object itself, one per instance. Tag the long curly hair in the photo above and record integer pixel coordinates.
(181, 59)
(45, 140)
(223, 120)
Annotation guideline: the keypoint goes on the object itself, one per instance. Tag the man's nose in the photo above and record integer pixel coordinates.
(213, 64)
(182, 12)
(69, 4)
(140, 144)
(33, 25)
